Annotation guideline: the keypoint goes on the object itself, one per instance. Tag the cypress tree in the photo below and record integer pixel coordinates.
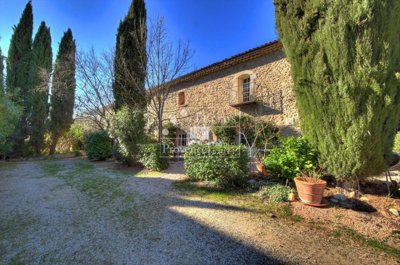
(18, 72)
(2, 91)
(345, 68)
(63, 89)
(41, 66)
(131, 59)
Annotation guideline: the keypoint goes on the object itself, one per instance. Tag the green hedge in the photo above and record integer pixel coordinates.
(98, 145)
(154, 156)
(227, 165)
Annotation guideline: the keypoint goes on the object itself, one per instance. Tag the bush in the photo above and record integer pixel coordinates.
(154, 156)
(10, 114)
(396, 145)
(225, 132)
(98, 145)
(171, 137)
(128, 129)
(71, 141)
(275, 193)
(227, 165)
(288, 160)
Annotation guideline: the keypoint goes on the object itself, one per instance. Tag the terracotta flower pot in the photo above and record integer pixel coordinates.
(261, 168)
(310, 192)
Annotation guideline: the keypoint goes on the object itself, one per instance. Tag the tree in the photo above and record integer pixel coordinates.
(166, 62)
(127, 128)
(95, 98)
(130, 59)
(18, 72)
(2, 91)
(63, 89)
(41, 67)
(346, 74)
(9, 117)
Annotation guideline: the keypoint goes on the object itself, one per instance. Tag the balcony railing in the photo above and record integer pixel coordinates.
(247, 99)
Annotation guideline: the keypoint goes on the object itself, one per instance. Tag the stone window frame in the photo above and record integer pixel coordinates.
(239, 78)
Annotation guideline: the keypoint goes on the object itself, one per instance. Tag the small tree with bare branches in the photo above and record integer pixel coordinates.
(166, 62)
(95, 98)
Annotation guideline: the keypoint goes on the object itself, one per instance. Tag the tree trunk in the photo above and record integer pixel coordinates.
(53, 144)
(160, 127)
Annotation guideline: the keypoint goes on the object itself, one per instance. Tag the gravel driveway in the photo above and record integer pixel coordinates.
(76, 212)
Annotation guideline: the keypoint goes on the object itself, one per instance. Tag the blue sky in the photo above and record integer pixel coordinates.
(216, 29)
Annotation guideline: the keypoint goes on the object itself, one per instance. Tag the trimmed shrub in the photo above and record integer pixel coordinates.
(98, 145)
(293, 156)
(154, 156)
(227, 165)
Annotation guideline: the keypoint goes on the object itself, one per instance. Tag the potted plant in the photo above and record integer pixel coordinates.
(260, 166)
(310, 187)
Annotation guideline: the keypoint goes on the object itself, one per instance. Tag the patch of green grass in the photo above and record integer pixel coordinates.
(85, 179)
(317, 225)
(17, 222)
(373, 243)
(100, 187)
(15, 226)
(211, 193)
(7, 165)
(240, 198)
(83, 168)
(15, 230)
(17, 260)
(130, 213)
(51, 169)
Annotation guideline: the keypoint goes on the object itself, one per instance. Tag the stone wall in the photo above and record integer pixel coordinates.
(215, 97)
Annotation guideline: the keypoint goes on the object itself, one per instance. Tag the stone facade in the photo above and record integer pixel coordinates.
(216, 96)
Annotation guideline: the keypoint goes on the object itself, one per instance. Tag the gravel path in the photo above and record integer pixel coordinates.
(76, 212)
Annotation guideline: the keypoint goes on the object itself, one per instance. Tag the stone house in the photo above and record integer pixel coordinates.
(255, 83)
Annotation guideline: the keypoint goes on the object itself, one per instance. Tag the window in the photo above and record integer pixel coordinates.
(182, 139)
(246, 90)
(181, 98)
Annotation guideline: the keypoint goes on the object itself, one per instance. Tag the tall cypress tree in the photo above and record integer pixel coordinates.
(346, 73)
(18, 72)
(131, 59)
(2, 91)
(41, 66)
(63, 89)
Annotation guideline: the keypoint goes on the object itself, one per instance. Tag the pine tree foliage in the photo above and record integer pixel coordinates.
(63, 89)
(41, 67)
(130, 58)
(18, 72)
(345, 66)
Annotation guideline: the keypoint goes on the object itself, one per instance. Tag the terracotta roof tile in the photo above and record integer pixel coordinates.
(251, 54)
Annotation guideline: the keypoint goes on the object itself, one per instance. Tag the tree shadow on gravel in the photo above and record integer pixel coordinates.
(167, 228)
(191, 241)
